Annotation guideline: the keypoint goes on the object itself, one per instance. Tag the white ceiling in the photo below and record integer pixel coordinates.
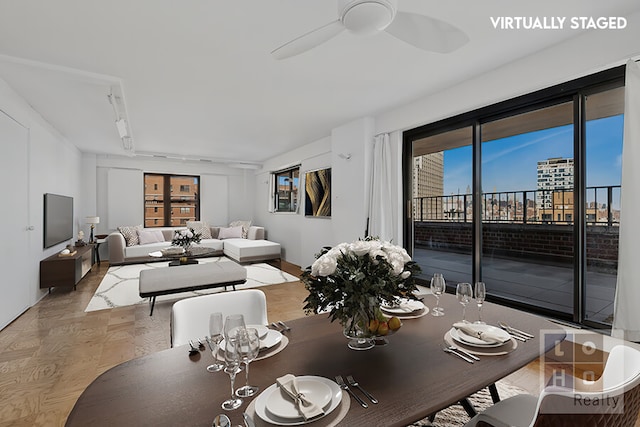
(197, 78)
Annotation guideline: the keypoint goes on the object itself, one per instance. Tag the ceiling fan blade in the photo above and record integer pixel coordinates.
(309, 40)
(427, 33)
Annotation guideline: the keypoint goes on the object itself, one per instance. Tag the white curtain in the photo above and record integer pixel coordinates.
(626, 321)
(381, 204)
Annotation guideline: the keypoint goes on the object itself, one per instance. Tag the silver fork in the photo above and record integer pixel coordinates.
(353, 383)
(344, 386)
(455, 353)
(459, 350)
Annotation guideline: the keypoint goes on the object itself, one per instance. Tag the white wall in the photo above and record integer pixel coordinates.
(226, 193)
(54, 166)
(300, 237)
(350, 192)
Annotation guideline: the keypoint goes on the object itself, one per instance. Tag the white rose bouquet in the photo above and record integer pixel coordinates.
(185, 238)
(351, 277)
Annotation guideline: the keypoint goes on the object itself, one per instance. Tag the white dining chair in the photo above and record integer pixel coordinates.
(190, 317)
(618, 385)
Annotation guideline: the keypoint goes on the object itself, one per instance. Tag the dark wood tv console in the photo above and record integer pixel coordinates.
(59, 270)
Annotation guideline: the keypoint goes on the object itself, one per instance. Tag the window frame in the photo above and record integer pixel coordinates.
(575, 91)
(291, 173)
(168, 201)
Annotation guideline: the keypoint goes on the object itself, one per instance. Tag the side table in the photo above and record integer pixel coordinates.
(97, 242)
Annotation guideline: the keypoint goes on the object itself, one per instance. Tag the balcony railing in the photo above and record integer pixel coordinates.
(523, 207)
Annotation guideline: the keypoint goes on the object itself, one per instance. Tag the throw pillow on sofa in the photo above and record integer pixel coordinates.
(200, 227)
(150, 236)
(245, 227)
(230, 233)
(130, 234)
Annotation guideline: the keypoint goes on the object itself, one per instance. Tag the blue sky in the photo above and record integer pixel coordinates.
(509, 164)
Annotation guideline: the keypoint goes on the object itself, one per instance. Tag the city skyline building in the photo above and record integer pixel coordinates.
(428, 181)
(555, 173)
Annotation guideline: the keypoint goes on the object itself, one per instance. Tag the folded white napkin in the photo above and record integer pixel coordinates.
(307, 408)
(480, 333)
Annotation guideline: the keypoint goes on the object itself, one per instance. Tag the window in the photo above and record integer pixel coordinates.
(286, 184)
(163, 207)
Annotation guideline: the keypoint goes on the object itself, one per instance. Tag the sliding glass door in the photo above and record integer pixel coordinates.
(604, 128)
(442, 208)
(527, 207)
(525, 196)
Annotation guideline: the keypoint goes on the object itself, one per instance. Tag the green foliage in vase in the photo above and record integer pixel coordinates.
(350, 278)
(185, 238)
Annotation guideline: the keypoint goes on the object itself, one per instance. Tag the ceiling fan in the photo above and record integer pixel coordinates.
(367, 17)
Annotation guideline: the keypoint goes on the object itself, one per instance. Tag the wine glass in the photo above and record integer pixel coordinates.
(215, 334)
(481, 294)
(438, 286)
(464, 294)
(232, 359)
(232, 324)
(249, 347)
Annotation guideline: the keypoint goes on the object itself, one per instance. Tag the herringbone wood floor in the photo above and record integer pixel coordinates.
(54, 350)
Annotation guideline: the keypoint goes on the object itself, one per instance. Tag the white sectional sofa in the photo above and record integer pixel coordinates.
(252, 248)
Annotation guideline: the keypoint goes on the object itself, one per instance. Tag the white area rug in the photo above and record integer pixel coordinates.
(119, 287)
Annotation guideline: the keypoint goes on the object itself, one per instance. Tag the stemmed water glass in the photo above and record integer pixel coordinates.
(481, 293)
(438, 286)
(464, 293)
(215, 336)
(232, 359)
(232, 324)
(249, 342)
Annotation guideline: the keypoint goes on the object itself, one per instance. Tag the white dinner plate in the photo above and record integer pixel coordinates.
(466, 339)
(262, 330)
(406, 306)
(280, 404)
(264, 414)
(272, 338)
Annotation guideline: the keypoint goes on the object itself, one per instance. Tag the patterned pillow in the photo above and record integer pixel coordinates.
(245, 227)
(200, 227)
(130, 234)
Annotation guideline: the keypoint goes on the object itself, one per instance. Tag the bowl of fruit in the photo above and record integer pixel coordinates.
(366, 331)
(383, 326)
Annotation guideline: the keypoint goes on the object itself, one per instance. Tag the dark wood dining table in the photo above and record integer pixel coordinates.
(412, 377)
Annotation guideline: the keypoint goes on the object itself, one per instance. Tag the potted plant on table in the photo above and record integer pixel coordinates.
(352, 280)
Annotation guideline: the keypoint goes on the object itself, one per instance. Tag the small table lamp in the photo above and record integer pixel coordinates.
(93, 220)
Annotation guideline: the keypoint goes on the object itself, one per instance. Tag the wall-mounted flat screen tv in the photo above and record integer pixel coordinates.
(58, 219)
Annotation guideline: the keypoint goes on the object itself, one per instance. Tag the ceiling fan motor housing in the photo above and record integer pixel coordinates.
(365, 17)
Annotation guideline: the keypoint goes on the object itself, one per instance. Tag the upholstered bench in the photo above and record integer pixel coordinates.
(247, 250)
(190, 277)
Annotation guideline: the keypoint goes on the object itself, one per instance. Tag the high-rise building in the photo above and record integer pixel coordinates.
(428, 184)
(553, 174)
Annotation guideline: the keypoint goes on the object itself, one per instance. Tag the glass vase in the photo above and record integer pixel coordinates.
(356, 328)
